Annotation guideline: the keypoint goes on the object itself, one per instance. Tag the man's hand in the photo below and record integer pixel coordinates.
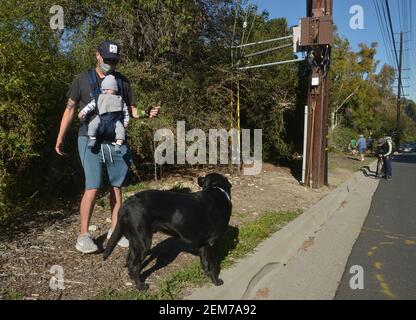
(134, 112)
(81, 115)
(151, 112)
(154, 111)
(58, 148)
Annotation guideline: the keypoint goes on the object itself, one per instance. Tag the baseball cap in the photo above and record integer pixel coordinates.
(109, 50)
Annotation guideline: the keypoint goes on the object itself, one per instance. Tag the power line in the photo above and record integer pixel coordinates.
(390, 24)
(389, 33)
(383, 32)
(392, 33)
(400, 12)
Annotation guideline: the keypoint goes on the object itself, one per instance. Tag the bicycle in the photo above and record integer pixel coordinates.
(380, 167)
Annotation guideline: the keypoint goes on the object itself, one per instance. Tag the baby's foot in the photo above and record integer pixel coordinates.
(91, 142)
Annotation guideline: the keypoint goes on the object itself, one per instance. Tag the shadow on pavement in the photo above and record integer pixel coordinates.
(367, 172)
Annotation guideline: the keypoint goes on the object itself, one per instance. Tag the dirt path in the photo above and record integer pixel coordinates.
(27, 258)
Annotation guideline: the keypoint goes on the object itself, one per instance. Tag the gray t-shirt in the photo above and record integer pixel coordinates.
(80, 92)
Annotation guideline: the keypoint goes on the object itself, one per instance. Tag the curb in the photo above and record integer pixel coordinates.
(274, 252)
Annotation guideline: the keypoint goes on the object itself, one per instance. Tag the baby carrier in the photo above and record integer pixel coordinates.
(107, 127)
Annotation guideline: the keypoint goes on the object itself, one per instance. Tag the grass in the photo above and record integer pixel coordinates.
(238, 243)
(347, 161)
(136, 187)
(13, 295)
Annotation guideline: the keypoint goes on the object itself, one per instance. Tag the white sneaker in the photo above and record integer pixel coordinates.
(85, 244)
(124, 243)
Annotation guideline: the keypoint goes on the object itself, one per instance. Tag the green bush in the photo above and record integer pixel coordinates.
(340, 138)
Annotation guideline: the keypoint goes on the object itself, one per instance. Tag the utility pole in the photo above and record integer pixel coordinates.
(317, 36)
(399, 93)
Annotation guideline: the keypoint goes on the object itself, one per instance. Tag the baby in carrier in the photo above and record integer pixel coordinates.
(112, 117)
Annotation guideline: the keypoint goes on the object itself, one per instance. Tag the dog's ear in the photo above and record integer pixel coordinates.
(201, 181)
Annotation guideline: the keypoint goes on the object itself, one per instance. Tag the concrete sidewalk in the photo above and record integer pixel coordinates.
(306, 259)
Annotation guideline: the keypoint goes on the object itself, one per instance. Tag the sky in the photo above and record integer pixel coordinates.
(293, 10)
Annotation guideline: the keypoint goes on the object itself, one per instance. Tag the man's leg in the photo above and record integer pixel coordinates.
(388, 168)
(92, 164)
(116, 200)
(117, 169)
(115, 203)
(86, 209)
(85, 244)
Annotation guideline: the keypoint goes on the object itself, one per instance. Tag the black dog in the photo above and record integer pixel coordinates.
(200, 219)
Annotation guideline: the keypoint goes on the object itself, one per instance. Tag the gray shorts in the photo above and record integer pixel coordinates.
(93, 161)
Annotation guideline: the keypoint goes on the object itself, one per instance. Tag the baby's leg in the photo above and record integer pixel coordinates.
(92, 131)
(120, 135)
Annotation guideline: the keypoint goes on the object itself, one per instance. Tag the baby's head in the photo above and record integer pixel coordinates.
(109, 85)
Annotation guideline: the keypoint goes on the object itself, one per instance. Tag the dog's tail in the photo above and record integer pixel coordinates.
(115, 237)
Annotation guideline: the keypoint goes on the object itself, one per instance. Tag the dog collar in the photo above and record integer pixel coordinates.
(225, 192)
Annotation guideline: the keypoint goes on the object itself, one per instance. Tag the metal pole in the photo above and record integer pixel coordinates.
(232, 110)
(268, 50)
(399, 92)
(238, 122)
(270, 64)
(305, 143)
(261, 42)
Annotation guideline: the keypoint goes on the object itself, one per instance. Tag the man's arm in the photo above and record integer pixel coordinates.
(390, 149)
(65, 123)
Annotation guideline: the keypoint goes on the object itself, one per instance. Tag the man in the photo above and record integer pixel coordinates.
(362, 146)
(117, 164)
(385, 152)
(388, 152)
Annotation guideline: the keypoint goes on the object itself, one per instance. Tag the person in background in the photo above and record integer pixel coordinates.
(352, 146)
(362, 146)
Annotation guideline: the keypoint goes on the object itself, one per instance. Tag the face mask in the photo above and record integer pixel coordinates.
(106, 68)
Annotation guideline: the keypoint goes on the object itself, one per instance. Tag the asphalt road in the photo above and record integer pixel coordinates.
(385, 251)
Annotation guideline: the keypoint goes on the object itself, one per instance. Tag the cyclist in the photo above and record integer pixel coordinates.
(385, 152)
(387, 156)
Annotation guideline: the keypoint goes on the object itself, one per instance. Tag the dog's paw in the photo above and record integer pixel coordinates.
(142, 286)
(218, 282)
